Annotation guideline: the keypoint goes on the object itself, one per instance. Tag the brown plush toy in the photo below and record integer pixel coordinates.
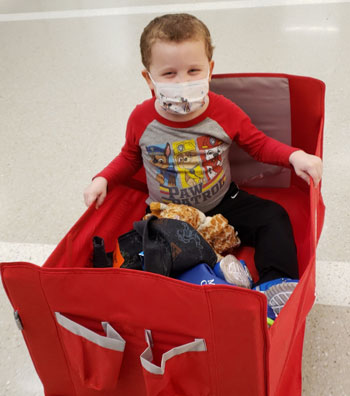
(215, 230)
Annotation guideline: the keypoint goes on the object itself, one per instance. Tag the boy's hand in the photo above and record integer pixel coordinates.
(97, 191)
(306, 166)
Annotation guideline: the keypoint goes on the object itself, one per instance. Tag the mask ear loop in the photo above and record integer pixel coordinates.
(154, 84)
(208, 73)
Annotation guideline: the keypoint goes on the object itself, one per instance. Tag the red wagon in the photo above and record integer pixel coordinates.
(132, 333)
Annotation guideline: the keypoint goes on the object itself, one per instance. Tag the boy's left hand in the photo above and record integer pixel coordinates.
(306, 166)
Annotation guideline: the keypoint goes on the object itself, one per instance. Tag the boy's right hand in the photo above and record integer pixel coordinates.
(96, 191)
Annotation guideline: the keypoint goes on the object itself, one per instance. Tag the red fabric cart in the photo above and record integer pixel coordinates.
(125, 332)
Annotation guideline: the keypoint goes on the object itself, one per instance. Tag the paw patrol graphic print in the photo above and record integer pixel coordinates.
(211, 150)
(160, 157)
(188, 163)
(188, 171)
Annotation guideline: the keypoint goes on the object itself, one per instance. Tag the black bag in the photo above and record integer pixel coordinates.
(171, 246)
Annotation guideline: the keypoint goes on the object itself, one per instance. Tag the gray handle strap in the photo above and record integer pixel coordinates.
(198, 345)
(112, 339)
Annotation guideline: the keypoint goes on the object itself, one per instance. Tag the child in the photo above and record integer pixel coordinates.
(167, 135)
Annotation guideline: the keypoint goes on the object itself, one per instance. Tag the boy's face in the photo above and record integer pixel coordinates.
(178, 62)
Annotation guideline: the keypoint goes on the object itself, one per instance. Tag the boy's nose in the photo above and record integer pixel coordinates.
(179, 80)
(181, 77)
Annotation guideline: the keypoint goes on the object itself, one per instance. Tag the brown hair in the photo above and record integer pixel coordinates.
(174, 27)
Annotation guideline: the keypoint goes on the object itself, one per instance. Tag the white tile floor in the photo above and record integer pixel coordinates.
(68, 81)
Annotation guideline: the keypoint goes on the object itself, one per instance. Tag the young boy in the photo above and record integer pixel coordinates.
(168, 135)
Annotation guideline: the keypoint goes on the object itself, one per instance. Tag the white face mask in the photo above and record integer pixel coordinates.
(181, 98)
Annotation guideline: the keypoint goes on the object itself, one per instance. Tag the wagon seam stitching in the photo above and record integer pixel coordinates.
(57, 331)
(206, 291)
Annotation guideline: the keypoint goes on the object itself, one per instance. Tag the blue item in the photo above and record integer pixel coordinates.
(266, 285)
(202, 274)
(270, 315)
(142, 258)
(277, 292)
(218, 271)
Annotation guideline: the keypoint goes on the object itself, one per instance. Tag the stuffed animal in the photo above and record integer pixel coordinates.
(220, 235)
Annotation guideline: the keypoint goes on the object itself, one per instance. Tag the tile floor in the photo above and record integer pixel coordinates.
(69, 77)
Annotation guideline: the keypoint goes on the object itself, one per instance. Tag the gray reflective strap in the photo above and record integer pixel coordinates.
(112, 340)
(198, 345)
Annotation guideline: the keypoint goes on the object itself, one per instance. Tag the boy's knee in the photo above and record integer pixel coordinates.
(277, 212)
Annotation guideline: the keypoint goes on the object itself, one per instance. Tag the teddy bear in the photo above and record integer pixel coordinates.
(220, 235)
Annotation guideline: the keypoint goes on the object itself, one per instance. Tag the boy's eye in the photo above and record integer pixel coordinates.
(194, 71)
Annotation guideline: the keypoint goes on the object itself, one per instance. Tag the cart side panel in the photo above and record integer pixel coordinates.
(231, 320)
(122, 206)
(307, 109)
(23, 286)
(266, 100)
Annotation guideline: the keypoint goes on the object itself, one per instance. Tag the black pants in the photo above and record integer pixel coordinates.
(264, 225)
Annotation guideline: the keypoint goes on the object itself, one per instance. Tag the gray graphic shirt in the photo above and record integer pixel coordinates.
(188, 165)
(188, 162)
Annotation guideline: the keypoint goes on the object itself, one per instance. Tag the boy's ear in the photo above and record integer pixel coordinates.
(211, 67)
(145, 75)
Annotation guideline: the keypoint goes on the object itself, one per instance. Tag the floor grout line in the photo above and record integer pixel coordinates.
(332, 277)
(159, 9)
